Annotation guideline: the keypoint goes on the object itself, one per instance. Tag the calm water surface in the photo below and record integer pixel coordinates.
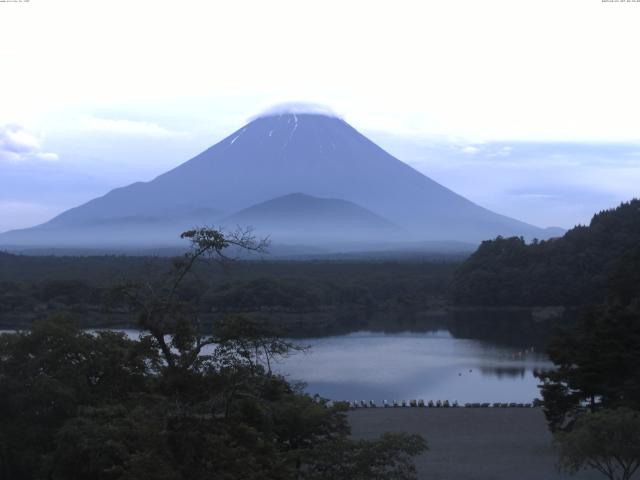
(434, 365)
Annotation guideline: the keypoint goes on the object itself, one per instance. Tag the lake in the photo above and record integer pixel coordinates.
(403, 366)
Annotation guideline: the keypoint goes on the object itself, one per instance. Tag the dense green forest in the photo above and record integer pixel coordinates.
(308, 295)
(571, 270)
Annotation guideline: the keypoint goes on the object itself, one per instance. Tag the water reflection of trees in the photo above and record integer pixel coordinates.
(503, 372)
(510, 328)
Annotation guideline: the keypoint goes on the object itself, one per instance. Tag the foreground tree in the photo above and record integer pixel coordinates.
(596, 362)
(171, 323)
(175, 404)
(596, 366)
(48, 375)
(608, 441)
(391, 456)
(592, 397)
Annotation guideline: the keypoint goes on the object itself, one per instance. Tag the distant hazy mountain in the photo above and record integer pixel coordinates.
(249, 176)
(302, 217)
(153, 229)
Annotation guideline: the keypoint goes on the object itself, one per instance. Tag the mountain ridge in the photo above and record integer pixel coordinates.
(272, 156)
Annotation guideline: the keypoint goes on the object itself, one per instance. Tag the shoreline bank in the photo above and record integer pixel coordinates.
(472, 443)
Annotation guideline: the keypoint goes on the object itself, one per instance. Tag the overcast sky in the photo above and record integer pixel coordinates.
(528, 107)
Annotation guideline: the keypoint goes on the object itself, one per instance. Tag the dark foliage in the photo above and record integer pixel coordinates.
(607, 441)
(75, 405)
(597, 360)
(303, 296)
(572, 270)
(47, 375)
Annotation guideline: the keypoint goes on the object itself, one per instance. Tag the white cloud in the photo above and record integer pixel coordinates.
(296, 108)
(470, 150)
(15, 139)
(90, 123)
(16, 144)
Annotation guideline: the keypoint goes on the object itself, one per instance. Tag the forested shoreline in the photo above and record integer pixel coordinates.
(572, 270)
(307, 298)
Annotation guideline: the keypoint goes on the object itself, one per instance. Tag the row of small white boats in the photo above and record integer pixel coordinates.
(440, 404)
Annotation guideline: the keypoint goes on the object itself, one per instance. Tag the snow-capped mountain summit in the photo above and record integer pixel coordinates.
(289, 149)
(296, 108)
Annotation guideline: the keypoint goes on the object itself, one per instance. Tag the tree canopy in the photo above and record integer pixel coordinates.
(607, 441)
(571, 270)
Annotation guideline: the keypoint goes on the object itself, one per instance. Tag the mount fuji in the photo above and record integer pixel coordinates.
(304, 177)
